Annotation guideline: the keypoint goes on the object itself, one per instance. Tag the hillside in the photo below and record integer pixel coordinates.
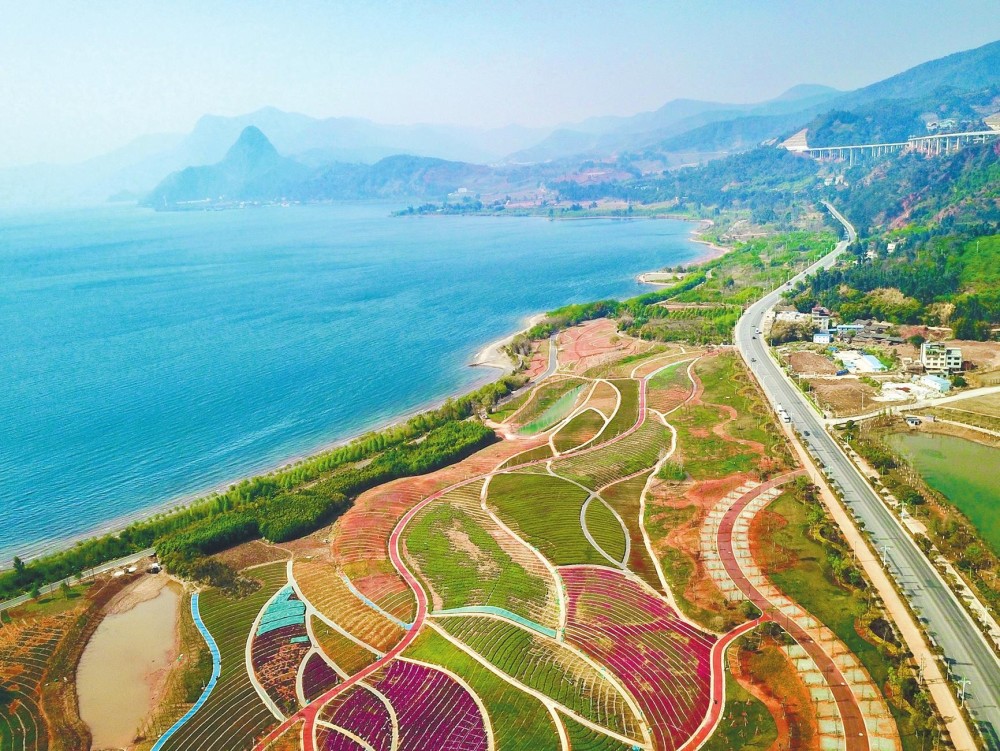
(254, 171)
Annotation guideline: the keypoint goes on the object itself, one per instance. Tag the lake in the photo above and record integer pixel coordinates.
(149, 357)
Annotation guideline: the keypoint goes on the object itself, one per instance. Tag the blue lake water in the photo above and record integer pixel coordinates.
(146, 357)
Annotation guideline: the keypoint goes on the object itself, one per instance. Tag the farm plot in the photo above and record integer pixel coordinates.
(624, 498)
(532, 455)
(669, 388)
(25, 649)
(551, 402)
(604, 398)
(317, 677)
(604, 527)
(662, 660)
(468, 561)
(233, 716)
(628, 410)
(520, 722)
(348, 655)
(583, 738)
(545, 511)
(548, 667)
(323, 586)
(607, 464)
(278, 647)
(581, 429)
(425, 708)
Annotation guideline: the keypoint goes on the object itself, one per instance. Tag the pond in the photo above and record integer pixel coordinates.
(123, 666)
(963, 471)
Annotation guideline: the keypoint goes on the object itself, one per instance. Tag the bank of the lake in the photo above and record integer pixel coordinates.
(151, 357)
(958, 469)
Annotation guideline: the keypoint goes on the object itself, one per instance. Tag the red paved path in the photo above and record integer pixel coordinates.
(854, 724)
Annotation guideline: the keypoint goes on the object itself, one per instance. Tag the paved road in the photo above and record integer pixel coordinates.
(945, 619)
(104, 567)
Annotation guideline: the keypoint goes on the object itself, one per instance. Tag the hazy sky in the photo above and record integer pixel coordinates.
(80, 78)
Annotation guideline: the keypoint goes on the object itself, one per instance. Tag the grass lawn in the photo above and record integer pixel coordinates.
(746, 724)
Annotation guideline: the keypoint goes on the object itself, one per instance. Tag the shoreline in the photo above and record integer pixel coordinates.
(712, 251)
(491, 356)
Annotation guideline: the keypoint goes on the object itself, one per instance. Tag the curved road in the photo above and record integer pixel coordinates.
(944, 617)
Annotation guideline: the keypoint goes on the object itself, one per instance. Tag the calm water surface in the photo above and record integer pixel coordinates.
(145, 357)
(958, 468)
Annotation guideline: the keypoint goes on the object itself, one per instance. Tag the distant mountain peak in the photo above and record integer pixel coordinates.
(806, 91)
(251, 146)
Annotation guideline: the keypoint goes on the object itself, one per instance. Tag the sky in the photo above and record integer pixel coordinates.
(79, 79)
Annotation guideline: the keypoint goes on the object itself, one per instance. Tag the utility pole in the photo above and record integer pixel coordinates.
(964, 682)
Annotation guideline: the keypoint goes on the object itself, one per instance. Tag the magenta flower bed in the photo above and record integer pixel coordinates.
(366, 716)
(662, 660)
(318, 677)
(434, 712)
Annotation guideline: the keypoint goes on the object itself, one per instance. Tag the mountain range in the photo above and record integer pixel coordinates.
(305, 158)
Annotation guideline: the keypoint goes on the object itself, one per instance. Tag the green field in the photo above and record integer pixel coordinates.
(520, 721)
(606, 530)
(545, 511)
(638, 451)
(628, 410)
(579, 430)
(583, 738)
(465, 565)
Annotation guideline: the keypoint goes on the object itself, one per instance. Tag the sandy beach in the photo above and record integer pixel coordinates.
(493, 354)
(658, 278)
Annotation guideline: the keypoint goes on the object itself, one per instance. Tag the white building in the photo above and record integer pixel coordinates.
(938, 358)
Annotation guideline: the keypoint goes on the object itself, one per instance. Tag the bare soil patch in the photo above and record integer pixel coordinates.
(844, 397)
(811, 362)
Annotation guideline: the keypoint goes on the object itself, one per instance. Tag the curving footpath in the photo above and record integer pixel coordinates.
(855, 730)
(216, 672)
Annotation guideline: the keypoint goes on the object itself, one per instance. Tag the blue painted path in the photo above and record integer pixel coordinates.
(479, 609)
(373, 605)
(216, 671)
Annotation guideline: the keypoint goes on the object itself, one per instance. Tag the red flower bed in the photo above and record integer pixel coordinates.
(662, 660)
(434, 712)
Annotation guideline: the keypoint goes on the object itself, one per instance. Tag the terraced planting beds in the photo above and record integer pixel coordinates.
(608, 464)
(467, 560)
(323, 586)
(408, 705)
(661, 659)
(550, 668)
(670, 387)
(234, 715)
(624, 497)
(520, 721)
(628, 411)
(550, 403)
(25, 650)
(578, 431)
(545, 511)
(510, 601)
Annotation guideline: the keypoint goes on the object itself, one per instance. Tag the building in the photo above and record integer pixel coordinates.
(936, 357)
(822, 337)
(821, 318)
(937, 383)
